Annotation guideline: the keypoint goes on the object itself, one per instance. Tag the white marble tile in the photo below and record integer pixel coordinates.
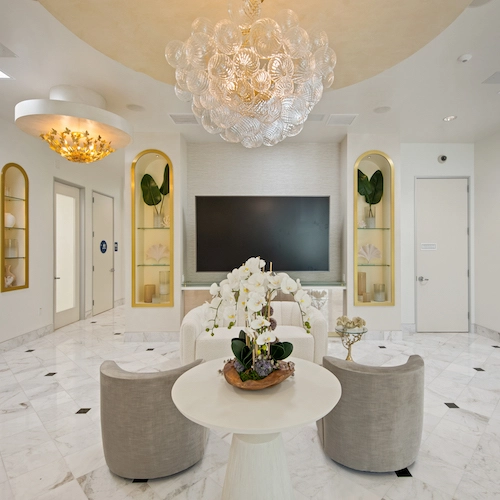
(455, 432)
(436, 473)
(87, 460)
(3, 473)
(410, 488)
(450, 451)
(30, 457)
(101, 483)
(58, 411)
(19, 424)
(66, 425)
(30, 437)
(473, 487)
(6, 491)
(78, 440)
(68, 491)
(478, 400)
(45, 479)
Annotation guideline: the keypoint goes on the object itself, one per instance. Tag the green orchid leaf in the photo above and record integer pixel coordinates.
(246, 357)
(288, 347)
(165, 187)
(243, 335)
(365, 188)
(150, 192)
(237, 346)
(277, 351)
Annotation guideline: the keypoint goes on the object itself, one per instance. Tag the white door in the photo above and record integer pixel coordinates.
(102, 253)
(442, 255)
(66, 254)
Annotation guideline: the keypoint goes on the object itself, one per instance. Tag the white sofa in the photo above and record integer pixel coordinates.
(196, 343)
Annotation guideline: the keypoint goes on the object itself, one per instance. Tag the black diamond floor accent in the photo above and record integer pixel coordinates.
(93, 321)
(118, 333)
(382, 347)
(403, 473)
(51, 374)
(140, 480)
(479, 369)
(451, 405)
(83, 410)
(150, 349)
(496, 346)
(30, 350)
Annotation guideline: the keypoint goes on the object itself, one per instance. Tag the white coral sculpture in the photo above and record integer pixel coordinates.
(369, 252)
(157, 252)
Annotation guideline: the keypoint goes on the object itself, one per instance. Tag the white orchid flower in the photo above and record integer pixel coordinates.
(244, 288)
(259, 322)
(227, 294)
(299, 284)
(255, 301)
(303, 298)
(230, 314)
(265, 338)
(288, 285)
(253, 264)
(273, 281)
(257, 283)
(214, 289)
(233, 279)
(251, 334)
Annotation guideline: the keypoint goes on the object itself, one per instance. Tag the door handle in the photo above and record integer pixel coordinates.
(56, 278)
(112, 270)
(421, 279)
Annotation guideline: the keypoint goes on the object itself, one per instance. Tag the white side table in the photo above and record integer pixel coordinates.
(257, 467)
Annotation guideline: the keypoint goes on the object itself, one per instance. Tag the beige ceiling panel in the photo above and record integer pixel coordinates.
(369, 36)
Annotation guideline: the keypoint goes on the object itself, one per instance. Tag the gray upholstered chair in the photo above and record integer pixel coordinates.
(143, 434)
(377, 424)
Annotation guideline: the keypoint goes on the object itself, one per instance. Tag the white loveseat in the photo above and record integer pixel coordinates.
(196, 343)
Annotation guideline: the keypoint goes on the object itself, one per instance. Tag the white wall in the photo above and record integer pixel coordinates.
(287, 169)
(487, 232)
(376, 317)
(155, 319)
(19, 310)
(421, 160)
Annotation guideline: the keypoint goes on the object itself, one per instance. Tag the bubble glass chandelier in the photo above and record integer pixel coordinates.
(252, 80)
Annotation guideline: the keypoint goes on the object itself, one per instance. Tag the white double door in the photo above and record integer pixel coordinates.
(442, 255)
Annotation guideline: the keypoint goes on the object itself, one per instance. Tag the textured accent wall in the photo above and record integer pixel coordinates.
(282, 170)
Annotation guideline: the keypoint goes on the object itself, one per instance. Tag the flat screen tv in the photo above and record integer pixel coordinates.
(292, 232)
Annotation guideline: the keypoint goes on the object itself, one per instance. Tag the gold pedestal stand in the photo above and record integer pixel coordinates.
(350, 338)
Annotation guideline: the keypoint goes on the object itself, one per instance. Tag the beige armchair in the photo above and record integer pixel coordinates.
(377, 424)
(196, 343)
(143, 434)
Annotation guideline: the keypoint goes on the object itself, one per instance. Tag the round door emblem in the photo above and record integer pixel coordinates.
(104, 246)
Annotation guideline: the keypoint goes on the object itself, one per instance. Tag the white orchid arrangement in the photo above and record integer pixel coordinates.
(250, 289)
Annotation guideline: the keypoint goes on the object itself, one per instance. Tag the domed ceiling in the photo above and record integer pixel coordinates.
(368, 36)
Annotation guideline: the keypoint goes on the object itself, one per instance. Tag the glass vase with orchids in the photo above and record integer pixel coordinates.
(244, 298)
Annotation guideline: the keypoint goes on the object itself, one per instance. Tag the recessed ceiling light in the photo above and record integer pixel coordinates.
(382, 109)
(464, 58)
(4, 75)
(449, 118)
(135, 107)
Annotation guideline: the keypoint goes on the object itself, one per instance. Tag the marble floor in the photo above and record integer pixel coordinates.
(49, 450)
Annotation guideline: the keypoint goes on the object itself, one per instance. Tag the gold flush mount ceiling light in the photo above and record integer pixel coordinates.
(252, 79)
(74, 123)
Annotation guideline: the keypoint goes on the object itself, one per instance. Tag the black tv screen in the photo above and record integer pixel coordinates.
(292, 232)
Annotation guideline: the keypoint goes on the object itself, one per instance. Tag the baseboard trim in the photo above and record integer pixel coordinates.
(24, 338)
(486, 332)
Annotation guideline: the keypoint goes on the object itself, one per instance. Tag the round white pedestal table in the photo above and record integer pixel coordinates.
(257, 466)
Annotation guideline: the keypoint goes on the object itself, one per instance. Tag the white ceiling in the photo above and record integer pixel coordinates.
(420, 91)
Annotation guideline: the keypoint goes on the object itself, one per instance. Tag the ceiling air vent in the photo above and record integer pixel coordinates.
(315, 118)
(184, 119)
(494, 78)
(344, 120)
(5, 52)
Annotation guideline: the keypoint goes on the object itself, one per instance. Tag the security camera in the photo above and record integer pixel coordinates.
(442, 158)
